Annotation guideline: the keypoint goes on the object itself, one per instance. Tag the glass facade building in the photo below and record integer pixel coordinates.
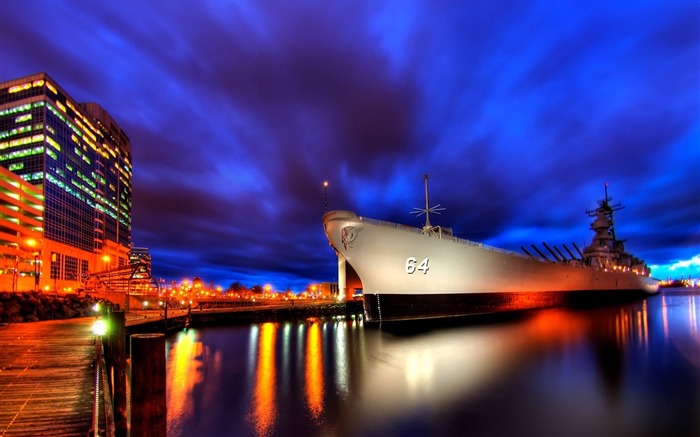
(80, 159)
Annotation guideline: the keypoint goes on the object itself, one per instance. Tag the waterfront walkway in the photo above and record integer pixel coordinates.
(46, 378)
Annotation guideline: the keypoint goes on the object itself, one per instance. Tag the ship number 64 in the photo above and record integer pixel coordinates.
(412, 265)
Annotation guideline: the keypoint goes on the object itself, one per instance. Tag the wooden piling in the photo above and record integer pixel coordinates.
(148, 408)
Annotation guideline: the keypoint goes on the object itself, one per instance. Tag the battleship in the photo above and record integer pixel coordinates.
(407, 273)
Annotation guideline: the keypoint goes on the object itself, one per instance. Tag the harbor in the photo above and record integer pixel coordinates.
(423, 218)
(146, 321)
(314, 361)
(633, 367)
(54, 377)
(622, 369)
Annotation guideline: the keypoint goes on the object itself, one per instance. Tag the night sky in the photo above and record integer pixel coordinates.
(520, 112)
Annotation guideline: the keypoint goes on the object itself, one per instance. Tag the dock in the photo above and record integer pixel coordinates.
(46, 378)
(154, 321)
(47, 374)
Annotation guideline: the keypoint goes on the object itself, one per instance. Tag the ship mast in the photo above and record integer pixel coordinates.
(427, 202)
(606, 250)
(613, 209)
(608, 211)
(428, 209)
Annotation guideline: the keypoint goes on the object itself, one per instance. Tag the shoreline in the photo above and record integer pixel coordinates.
(240, 316)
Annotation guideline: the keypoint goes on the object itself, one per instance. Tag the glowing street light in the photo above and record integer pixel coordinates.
(325, 196)
(99, 328)
(33, 244)
(107, 260)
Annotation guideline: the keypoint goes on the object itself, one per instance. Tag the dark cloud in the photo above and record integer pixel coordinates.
(519, 111)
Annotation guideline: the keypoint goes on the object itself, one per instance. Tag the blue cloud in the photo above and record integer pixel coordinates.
(519, 111)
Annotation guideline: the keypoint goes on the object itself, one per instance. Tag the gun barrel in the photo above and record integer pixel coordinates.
(528, 253)
(540, 253)
(569, 252)
(551, 251)
(560, 254)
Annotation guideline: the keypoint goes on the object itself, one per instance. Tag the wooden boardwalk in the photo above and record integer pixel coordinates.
(46, 378)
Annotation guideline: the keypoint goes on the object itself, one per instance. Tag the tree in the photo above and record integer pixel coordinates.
(257, 289)
(237, 287)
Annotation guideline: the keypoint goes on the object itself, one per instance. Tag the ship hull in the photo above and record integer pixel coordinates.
(406, 274)
(398, 307)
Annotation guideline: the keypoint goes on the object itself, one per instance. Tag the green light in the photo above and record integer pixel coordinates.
(99, 327)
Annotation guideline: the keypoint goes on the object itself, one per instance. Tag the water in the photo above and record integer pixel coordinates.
(632, 369)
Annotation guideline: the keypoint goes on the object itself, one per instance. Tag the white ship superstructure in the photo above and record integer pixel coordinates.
(412, 273)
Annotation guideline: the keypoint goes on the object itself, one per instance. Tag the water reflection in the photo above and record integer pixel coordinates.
(680, 313)
(314, 371)
(183, 370)
(612, 370)
(264, 410)
(438, 368)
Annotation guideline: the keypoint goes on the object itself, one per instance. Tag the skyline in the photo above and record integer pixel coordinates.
(520, 112)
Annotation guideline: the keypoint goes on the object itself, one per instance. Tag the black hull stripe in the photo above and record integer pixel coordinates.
(396, 307)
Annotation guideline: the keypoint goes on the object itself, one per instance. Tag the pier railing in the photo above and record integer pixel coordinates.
(103, 410)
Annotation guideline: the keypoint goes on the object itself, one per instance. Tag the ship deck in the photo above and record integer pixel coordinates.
(445, 237)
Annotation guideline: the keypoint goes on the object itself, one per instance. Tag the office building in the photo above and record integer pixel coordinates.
(140, 255)
(78, 160)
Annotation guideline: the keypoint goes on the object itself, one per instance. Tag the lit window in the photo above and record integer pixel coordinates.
(18, 88)
(53, 143)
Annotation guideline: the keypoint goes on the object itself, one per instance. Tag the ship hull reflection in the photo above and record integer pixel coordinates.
(625, 369)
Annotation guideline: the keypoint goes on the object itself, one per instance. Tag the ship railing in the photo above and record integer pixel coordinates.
(452, 238)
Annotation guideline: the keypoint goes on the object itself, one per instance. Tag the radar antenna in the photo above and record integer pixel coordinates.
(428, 209)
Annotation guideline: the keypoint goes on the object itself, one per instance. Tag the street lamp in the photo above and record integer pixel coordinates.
(32, 243)
(106, 260)
(325, 196)
(37, 272)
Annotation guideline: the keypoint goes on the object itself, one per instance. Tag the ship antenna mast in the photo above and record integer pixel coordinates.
(609, 210)
(428, 209)
(605, 203)
(613, 210)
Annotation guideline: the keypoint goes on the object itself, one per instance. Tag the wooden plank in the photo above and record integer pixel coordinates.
(47, 378)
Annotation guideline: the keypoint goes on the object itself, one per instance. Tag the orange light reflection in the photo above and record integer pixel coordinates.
(264, 414)
(314, 371)
(184, 374)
